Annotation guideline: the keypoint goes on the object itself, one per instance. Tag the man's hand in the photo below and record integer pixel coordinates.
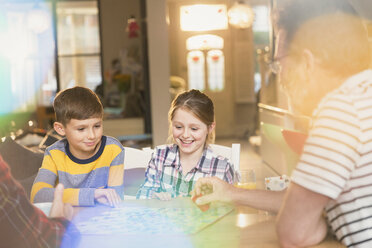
(60, 209)
(212, 189)
(164, 196)
(107, 196)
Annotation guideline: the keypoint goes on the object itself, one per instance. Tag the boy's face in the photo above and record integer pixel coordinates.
(84, 136)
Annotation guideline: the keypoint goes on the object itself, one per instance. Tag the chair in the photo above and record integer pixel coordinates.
(135, 164)
(274, 134)
(294, 139)
(136, 158)
(232, 153)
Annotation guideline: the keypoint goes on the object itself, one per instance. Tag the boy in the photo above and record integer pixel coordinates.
(88, 164)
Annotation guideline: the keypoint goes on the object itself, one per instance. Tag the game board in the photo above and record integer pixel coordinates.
(145, 220)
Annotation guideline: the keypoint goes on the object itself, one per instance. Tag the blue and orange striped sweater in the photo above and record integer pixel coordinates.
(105, 169)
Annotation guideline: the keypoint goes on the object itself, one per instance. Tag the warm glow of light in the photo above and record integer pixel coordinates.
(14, 45)
(38, 20)
(241, 15)
(203, 17)
(243, 220)
(203, 42)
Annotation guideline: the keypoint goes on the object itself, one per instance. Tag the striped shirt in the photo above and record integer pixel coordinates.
(23, 225)
(81, 178)
(164, 172)
(337, 159)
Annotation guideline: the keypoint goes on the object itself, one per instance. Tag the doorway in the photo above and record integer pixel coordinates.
(200, 54)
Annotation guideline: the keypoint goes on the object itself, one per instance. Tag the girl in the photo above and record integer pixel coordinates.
(174, 168)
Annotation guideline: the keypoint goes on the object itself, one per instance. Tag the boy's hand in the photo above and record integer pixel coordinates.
(164, 196)
(107, 196)
(210, 189)
(60, 209)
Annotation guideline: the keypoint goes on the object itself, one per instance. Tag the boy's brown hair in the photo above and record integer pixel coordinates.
(77, 103)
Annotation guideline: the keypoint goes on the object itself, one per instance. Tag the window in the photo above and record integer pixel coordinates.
(216, 70)
(195, 65)
(261, 35)
(209, 46)
(26, 56)
(78, 44)
(27, 51)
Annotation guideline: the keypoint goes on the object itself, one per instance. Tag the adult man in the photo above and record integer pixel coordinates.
(322, 57)
(23, 225)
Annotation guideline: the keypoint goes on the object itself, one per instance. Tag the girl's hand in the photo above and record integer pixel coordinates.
(164, 196)
(107, 196)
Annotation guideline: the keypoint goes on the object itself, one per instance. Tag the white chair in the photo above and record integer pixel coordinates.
(136, 158)
(135, 164)
(232, 153)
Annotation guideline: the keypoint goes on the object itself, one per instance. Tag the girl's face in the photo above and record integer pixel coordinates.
(189, 132)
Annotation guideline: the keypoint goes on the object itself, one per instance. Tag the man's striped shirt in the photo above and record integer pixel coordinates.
(337, 159)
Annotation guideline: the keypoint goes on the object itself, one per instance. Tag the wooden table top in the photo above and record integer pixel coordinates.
(243, 227)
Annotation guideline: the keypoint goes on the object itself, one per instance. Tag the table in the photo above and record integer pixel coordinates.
(242, 227)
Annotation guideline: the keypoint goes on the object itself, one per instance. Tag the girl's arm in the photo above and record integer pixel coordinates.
(230, 174)
(152, 182)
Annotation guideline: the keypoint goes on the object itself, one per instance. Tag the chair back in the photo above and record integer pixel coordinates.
(135, 164)
(231, 152)
(136, 158)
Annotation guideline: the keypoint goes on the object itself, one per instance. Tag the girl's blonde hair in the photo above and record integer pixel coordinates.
(199, 104)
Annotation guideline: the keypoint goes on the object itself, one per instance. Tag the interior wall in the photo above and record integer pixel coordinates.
(159, 72)
(114, 16)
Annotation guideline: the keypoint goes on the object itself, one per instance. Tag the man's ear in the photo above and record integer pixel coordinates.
(59, 128)
(309, 61)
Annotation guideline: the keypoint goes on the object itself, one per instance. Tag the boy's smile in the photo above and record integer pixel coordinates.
(84, 136)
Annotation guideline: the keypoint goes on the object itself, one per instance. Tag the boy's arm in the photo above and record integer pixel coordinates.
(45, 181)
(116, 174)
(43, 186)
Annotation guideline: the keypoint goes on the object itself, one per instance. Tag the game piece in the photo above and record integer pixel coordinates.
(204, 207)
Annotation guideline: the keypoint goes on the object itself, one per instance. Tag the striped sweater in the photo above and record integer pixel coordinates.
(337, 159)
(80, 177)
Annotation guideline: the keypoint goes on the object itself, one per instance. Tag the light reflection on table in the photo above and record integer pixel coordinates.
(243, 227)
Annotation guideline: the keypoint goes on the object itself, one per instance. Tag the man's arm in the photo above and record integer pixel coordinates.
(215, 189)
(300, 221)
